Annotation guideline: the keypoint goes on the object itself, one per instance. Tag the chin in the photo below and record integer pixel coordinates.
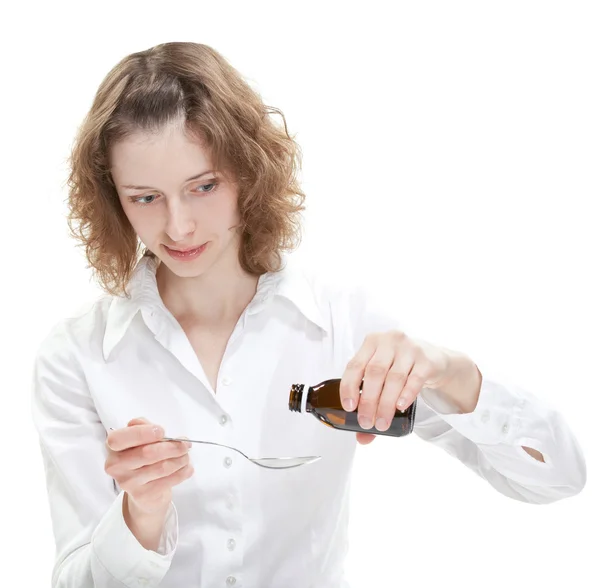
(185, 272)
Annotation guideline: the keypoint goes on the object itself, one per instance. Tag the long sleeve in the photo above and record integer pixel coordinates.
(490, 439)
(94, 546)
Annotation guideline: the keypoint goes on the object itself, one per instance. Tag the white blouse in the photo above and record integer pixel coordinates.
(233, 523)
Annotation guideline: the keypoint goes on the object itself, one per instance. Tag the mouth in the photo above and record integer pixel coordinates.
(186, 254)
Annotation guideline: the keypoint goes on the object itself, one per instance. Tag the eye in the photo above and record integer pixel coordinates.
(143, 200)
(206, 188)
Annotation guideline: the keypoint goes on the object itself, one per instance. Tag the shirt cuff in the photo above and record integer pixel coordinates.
(121, 554)
(501, 415)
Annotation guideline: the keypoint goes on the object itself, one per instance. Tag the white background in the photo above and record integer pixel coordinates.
(451, 157)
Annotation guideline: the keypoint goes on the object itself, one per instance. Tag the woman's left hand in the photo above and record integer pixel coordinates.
(395, 368)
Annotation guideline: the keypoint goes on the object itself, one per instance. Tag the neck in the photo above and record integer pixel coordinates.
(215, 298)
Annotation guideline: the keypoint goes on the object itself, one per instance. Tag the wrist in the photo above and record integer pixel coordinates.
(146, 525)
(463, 384)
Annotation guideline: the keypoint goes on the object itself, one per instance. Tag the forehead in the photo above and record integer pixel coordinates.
(167, 154)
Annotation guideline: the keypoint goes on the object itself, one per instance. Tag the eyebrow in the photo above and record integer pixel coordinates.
(196, 177)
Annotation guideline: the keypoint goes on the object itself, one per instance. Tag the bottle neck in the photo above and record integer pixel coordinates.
(300, 398)
(309, 398)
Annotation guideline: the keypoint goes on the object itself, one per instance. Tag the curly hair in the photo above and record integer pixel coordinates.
(151, 88)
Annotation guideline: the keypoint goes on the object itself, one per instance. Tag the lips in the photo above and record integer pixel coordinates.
(186, 254)
(188, 250)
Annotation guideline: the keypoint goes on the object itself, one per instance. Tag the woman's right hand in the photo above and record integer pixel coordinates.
(145, 467)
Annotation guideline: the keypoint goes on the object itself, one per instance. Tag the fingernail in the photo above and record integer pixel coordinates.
(365, 422)
(381, 424)
(401, 403)
(188, 444)
(348, 404)
(158, 432)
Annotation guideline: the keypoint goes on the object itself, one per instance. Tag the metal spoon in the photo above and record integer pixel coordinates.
(275, 463)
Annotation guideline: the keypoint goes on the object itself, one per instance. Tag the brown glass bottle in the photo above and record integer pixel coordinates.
(323, 401)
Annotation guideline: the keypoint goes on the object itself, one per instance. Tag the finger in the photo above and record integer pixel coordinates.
(121, 465)
(134, 436)
(138, 421)
(412, 388)
(161, 484)
(155, 471)
(365, 438)
(150, 453)
(394, 384)
(135, 421)
(353, 374)
(375, 374)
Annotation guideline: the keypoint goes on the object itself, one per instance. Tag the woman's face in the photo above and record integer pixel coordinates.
(181, 209)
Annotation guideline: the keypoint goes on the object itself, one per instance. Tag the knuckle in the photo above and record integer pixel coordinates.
(183, 473)
(163, 468)
(372, 337)
(149, 452)
(181, 449)
(376, 368)
(354, 364)
(178, 463)
(397, 336)
(418, 376)
(396, 376)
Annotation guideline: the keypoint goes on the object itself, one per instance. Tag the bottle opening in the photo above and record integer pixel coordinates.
(296, 397)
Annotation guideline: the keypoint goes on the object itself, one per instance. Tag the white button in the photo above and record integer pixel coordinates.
(505, 428)
(231, 544)
(230, 581)
(230, 504)
(227, 462)
(223, 419)
(485, 417)
(226, 381)
(142, 581)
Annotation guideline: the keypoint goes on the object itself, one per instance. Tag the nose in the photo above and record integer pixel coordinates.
(180, 222)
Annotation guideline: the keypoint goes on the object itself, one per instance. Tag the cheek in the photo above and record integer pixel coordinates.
(221, 212)
(143, 224)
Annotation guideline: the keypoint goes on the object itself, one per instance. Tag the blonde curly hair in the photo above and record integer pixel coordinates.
(151, 88)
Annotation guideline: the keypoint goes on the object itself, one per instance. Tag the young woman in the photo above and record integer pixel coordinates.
(183, 191)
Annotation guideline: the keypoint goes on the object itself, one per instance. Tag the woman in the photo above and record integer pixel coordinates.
(204, 334)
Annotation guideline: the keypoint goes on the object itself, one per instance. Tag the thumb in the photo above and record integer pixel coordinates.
(365, 438)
